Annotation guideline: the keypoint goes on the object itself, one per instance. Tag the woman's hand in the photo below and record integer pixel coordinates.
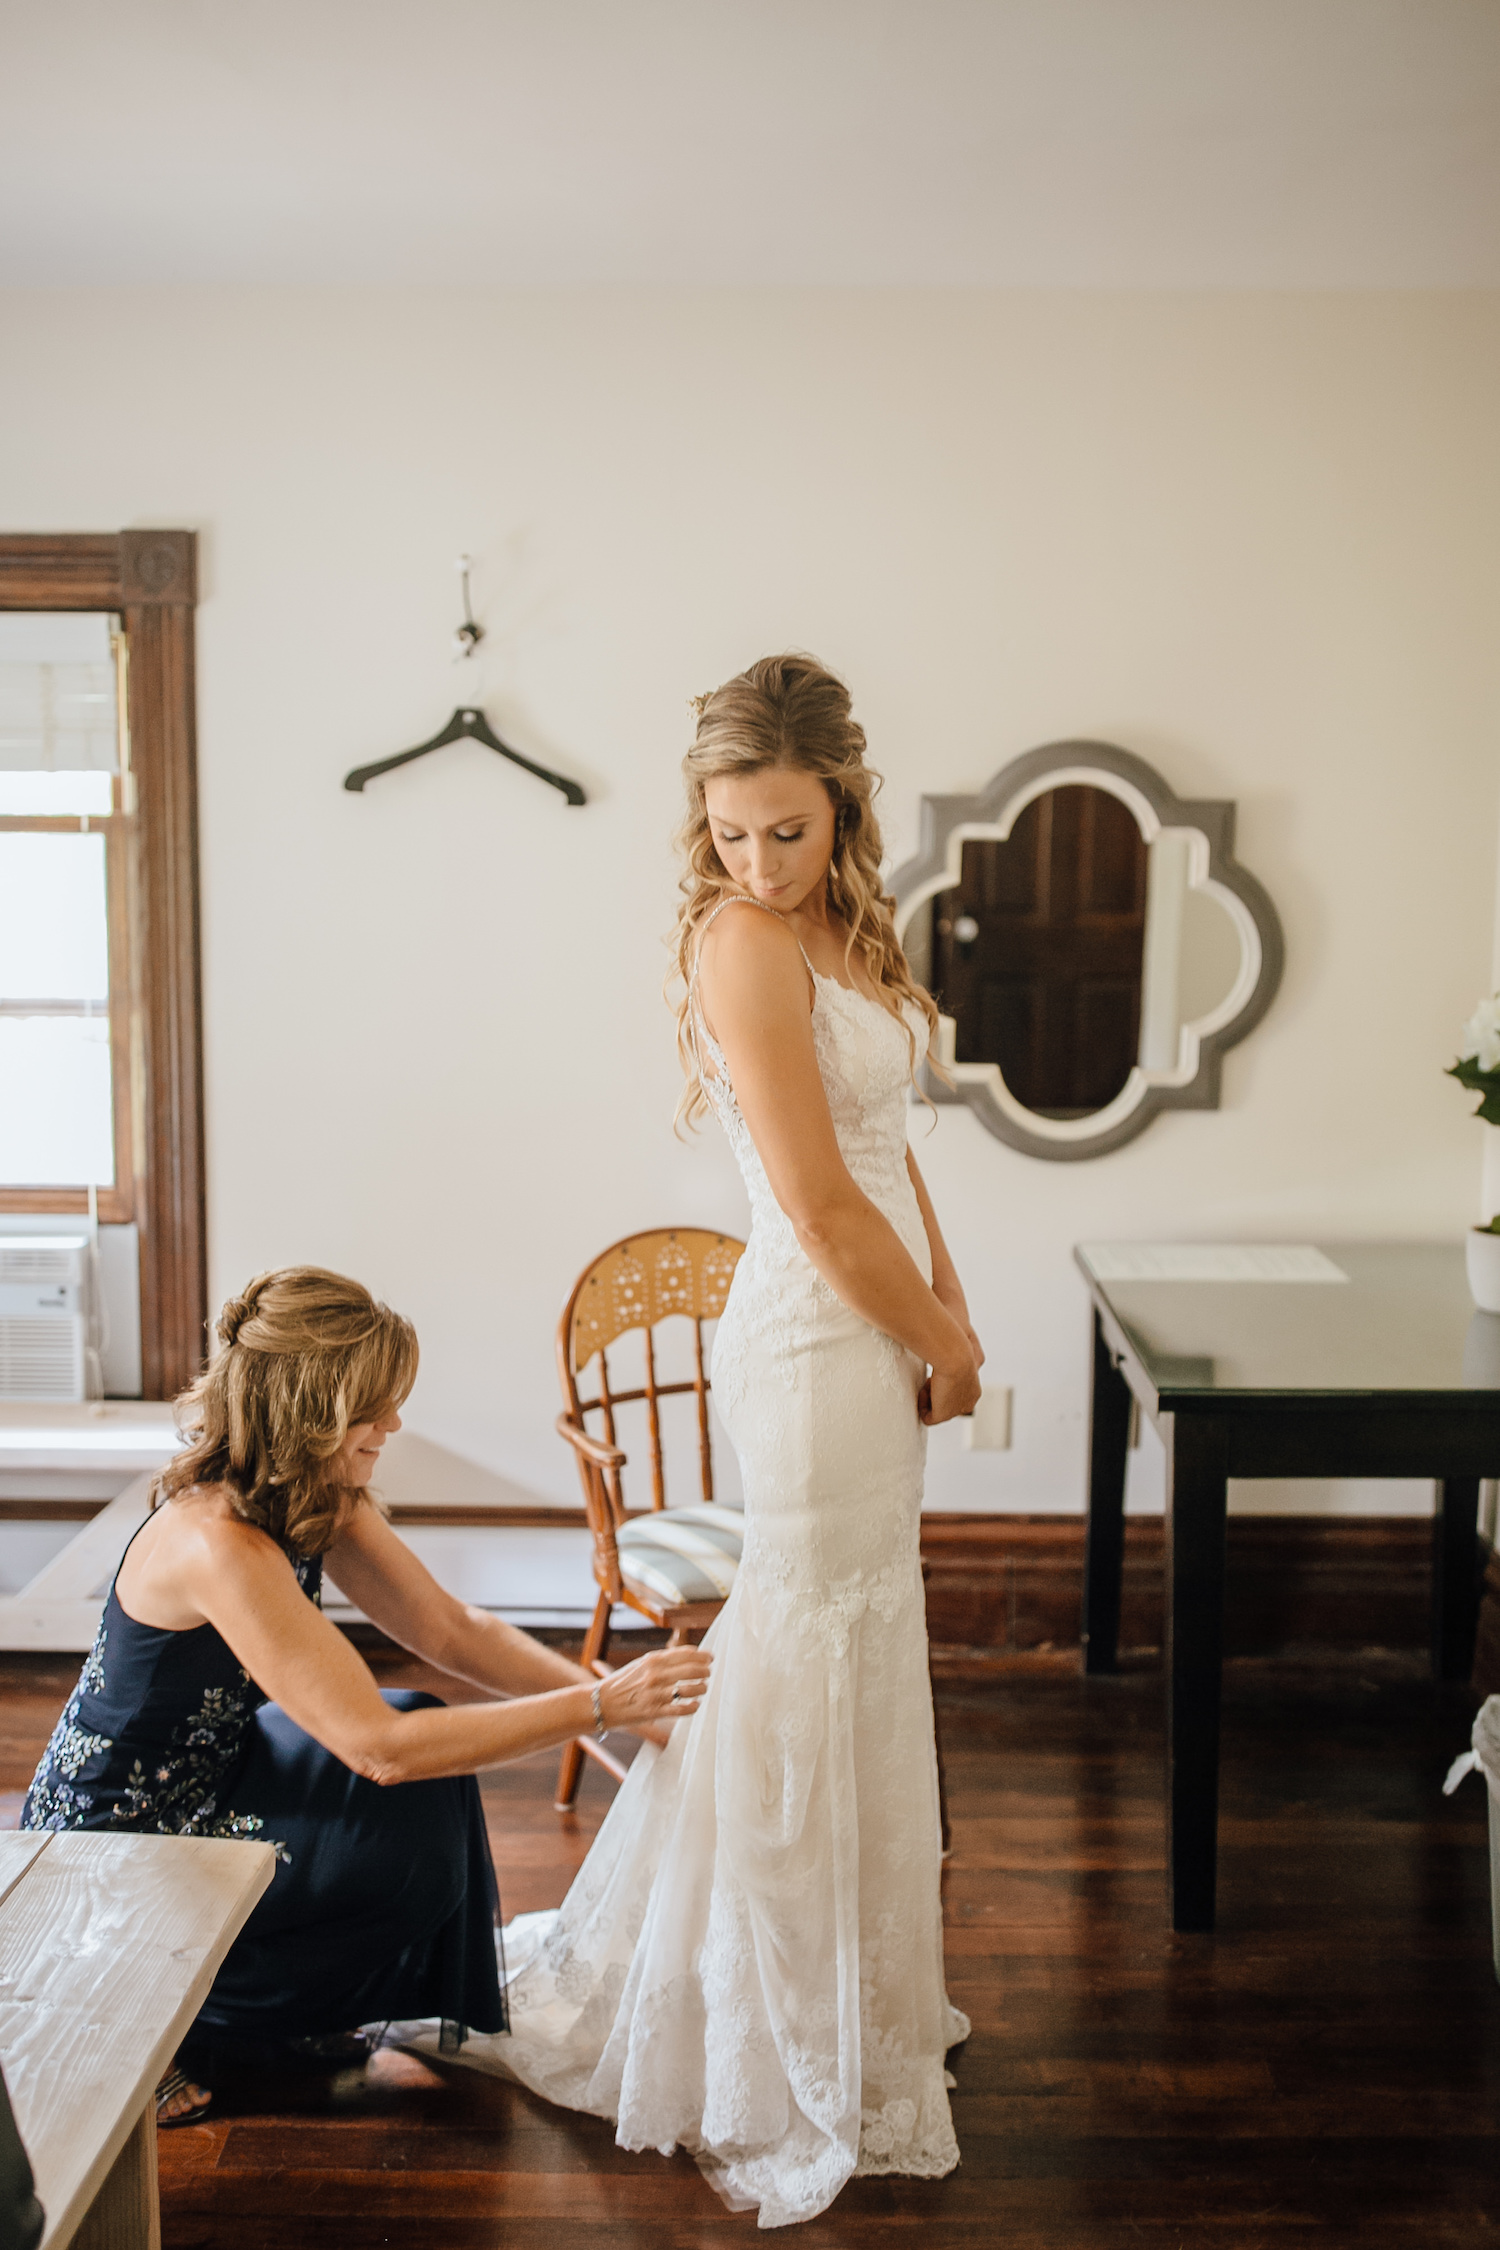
(670, 1683)
(948, 1393)
(943, 1398)
(953, 1299)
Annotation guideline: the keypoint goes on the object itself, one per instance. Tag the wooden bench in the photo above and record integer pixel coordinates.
(108, 1945)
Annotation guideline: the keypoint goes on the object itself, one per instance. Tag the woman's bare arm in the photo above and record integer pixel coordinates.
(382, 1577)
(754, 987)
(946, 1286)
(245, 1588)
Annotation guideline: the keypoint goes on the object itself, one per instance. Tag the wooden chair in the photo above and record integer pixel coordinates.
(674, 1566)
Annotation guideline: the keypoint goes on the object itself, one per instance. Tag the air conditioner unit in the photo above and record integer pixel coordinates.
(45, 1308)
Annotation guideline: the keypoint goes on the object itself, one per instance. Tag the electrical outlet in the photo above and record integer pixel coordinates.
(987, 1429)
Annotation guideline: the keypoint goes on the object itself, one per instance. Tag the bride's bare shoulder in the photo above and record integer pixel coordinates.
(751, 966)
(744, 935)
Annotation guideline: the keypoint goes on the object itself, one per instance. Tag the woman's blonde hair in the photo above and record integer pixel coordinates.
(790, 711)
(302, 1354)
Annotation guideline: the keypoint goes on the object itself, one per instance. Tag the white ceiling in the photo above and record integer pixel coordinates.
(1076, 143)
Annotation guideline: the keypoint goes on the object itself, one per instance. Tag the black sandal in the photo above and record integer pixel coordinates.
(174, 2083)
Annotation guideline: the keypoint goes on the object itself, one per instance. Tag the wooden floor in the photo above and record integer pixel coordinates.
(1323, 2071)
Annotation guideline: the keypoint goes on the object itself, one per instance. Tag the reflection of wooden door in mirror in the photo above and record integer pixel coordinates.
(1096, 981)
(1047, 981)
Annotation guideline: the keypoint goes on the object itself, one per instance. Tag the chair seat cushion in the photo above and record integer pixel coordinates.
(682, 1554)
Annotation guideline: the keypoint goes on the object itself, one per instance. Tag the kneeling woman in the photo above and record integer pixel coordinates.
(218, 1700)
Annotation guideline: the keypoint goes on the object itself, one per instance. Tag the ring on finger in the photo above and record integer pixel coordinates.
(676, 1695)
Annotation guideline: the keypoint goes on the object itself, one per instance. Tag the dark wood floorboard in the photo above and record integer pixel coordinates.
(1323, 2071)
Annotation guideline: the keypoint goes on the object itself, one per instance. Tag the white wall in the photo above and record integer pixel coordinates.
(1254, 538)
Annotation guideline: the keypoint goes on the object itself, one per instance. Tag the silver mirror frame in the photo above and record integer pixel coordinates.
(1193, 1083)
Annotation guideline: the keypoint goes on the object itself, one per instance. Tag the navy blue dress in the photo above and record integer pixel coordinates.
(383, 1901)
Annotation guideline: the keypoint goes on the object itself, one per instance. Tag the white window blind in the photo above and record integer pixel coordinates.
(56, 1091)
(58, 700)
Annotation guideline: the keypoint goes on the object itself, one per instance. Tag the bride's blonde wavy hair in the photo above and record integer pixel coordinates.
(789, 711)
(302, 1354)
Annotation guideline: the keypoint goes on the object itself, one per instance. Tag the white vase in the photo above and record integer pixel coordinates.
(1484, 1268)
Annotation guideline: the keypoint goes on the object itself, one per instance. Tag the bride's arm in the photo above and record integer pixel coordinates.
(754, 988)
(946, 1286)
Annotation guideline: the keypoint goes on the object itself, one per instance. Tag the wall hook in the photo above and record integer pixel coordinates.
(469, 635)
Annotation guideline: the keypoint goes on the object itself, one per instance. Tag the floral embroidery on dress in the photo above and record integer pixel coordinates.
(73, 1746)
(176, 1789)
(179, 1797)
(91, 1678)
(53, 1801)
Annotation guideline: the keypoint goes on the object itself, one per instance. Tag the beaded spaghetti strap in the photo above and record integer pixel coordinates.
(735, 898)
(743, 898)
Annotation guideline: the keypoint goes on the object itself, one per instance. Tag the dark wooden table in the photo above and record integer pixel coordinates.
(1391, 1373)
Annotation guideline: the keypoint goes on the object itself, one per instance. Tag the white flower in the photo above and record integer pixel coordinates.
(1482, 1035)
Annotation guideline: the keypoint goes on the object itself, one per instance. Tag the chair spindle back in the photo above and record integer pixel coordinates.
(635, 1285)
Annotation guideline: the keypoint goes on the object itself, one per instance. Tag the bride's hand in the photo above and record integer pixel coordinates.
(952, 1297)
(670, 1683)
(947, 1394)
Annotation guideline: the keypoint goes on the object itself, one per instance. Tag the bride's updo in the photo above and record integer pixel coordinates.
(790, 711)
(302, 1354)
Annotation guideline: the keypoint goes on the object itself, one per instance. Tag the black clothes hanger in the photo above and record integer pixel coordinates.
(466, 721)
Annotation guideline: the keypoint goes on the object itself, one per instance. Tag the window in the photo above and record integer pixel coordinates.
(65, 974)
(101, 1085)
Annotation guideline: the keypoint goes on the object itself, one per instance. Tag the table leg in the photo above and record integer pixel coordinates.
(126, 2212)
(1104, 1544)
(1455, 1577)
(1197, 1489)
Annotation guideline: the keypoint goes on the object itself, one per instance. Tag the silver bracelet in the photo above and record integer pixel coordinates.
(599, 1727)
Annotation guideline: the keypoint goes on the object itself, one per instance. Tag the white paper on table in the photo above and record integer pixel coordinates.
(1208, 1261)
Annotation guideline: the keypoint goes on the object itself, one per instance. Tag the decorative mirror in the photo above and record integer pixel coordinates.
(1092, 944)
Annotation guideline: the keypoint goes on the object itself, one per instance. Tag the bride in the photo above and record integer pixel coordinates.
(749, 1963)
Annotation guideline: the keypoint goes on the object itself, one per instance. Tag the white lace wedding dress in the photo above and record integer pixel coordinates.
(749, 1964)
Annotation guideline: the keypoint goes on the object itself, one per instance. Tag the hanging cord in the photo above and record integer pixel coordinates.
(96, 1330)
(469, 635)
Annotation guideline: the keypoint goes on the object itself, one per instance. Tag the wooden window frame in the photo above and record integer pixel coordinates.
(115, 1204)
(149, 578)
